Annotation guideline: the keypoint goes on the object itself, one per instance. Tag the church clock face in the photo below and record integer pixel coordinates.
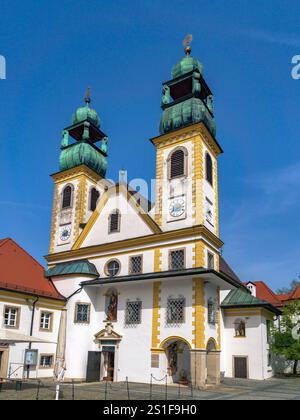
(65, 233)
(177, 207)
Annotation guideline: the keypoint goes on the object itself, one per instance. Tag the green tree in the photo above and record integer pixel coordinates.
(286, 341)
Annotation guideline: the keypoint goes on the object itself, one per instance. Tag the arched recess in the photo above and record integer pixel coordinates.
(177, 352)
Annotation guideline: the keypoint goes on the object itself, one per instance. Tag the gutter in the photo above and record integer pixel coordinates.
(31, 330)
(164, 274)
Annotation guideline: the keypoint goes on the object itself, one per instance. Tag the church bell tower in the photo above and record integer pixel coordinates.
(80, 181)
(187, 151)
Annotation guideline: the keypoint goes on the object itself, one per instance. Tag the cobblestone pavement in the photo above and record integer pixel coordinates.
(230, 389)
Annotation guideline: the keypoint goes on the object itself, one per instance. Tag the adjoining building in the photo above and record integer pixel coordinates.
(148, 291)
(30, 311)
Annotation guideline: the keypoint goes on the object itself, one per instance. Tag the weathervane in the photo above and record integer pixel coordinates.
(88, 95)
(187, 44)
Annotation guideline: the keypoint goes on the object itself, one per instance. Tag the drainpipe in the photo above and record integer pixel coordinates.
(31, 330)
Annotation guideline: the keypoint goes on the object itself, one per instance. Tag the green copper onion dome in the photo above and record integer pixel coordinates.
(79, 144)
(83, 153)
(186, 65)
(84, 113)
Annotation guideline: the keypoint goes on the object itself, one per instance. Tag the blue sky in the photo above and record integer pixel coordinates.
(124, 50)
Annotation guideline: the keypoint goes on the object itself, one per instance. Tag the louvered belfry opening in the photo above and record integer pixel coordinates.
(209, 169)
(114, 222)
(177, 164)
(67, 197)
(94, 199)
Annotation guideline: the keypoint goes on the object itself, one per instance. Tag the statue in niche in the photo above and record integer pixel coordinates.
(65, 139)
(166, 95)
(104, 145)
(112, 306)
(240, 328)
(210, 103)
(196, 83)
(173, 358)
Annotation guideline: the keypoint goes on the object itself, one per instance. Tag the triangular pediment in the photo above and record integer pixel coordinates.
(108, 334)
(134, 220)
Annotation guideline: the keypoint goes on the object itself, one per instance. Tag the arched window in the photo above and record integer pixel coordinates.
(114, 221)
(209, 168)
(94, 199)
(177, 163)
(240, 328)
(67, 197)
(111, 305)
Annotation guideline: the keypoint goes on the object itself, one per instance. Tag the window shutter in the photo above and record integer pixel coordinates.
(114, 222)
(177, 164)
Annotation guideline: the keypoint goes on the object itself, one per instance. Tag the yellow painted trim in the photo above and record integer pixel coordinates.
(198, 177)
(199, 255)
(137, 242)
(156, 314)
(54, 219)
(74, 173)
(177, 338)
(157, 351)
(198, 314)
(195, 129)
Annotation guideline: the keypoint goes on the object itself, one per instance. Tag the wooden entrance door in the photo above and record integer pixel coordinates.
(93, 366)
(241, 367)
(4, 353)
(110, 366)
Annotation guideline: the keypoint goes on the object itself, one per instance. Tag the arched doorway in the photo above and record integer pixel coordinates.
(177, 351)
(212, 362)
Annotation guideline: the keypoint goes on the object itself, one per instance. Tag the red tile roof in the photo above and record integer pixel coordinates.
(265, 293)
(21, 272)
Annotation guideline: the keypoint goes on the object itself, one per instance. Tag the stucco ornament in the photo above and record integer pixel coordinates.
(108, 329)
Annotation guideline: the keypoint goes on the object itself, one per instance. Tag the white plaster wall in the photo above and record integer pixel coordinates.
(181, 186)
(148, 262)
(251, 346)
(211, 330)
(131, 226)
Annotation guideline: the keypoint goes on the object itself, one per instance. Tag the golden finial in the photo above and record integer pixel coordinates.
(187, 44)
(87, 95)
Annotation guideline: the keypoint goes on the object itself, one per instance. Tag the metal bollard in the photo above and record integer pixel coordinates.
(128, 393)
(57, 392)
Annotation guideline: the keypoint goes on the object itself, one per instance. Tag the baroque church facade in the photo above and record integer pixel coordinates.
(147, 290)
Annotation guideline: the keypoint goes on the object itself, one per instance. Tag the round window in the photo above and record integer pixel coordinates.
(112, 268)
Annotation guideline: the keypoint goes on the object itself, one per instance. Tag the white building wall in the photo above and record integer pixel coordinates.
(253, 346)
(17, 351)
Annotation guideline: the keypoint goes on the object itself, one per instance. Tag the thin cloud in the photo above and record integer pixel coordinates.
(289, 40)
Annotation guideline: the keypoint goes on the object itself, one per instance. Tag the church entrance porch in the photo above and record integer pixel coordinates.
(177, 352)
